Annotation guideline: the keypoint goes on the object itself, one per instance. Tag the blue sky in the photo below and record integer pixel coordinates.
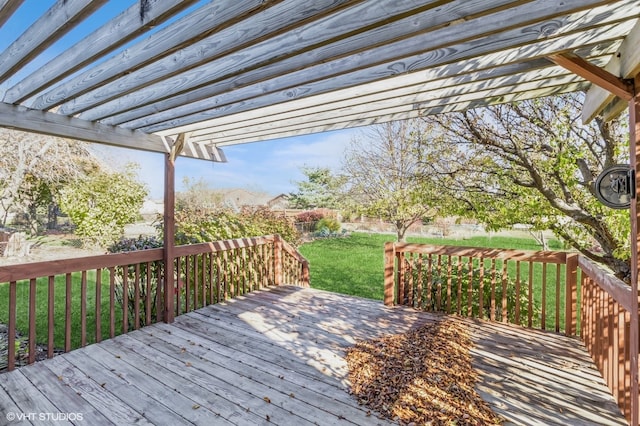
(271, 166)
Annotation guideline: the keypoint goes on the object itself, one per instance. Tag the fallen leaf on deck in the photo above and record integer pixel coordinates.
(423, 376)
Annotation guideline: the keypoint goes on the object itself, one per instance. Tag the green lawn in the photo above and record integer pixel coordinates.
(22, 308)
(355, 265)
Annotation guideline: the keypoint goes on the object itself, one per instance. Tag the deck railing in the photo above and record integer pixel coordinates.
(555, 291)
(96, 297)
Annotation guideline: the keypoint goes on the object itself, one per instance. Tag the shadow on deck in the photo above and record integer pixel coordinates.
(277, 356)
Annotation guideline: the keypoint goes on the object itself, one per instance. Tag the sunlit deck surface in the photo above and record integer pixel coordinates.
(277, 357)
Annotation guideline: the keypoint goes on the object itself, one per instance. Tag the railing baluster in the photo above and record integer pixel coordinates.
(459, 304)
(196, 288)
(530, 296)
(558, 299)
(51, 315)
(419, 283)
(449, 283)
(11, 354)
(83, 309)
(543, 313)
(32, 321)
(136, 298)
(470, 288)
(517, 292)
(98, 306)
(125, 298)
(492, 312)
(430, 283)
(67, 314)
(147, 294)
(505, 290)
(481, 289)
(112, 304)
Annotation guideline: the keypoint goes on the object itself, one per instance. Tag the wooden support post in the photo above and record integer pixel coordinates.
(571, 295)
(389, 260)
(169, 238)
(634, 151)
(277, 260)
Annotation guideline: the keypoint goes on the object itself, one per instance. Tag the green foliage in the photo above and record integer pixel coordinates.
(329, 223)
(321, 189)
(147, 276)
(101, 204)
(532, 162)
(354, 265)
(204, 226)
(493, 286)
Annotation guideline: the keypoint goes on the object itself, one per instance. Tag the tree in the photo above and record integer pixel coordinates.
(33, 169)
(322, 189)
(385, 173)
(102, 203)
(532, 162)
(198, 196)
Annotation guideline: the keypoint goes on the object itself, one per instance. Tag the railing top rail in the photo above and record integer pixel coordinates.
(293, 252)
(485, 253)
(26, 271)
(216, 246)
(618, 289)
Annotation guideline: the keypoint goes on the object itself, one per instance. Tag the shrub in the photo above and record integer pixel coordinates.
(436, 299)
(152, 271)
(309, 216)
(329, 223)
(199, 226)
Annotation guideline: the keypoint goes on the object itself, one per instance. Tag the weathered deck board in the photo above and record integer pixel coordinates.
(277, 357)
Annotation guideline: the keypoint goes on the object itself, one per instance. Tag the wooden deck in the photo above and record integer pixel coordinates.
(276, 357)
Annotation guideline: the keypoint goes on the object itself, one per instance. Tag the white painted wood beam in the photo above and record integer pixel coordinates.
(319, 40)
(47, 123)
(438, 90)
(407, 114)
(7, 8)
(439, 77)
(187, 30)
(250, 98)
(437, 100)
(126, 26)
(302, 109)
(56, 22)
(594, 74)
(625, 64)
(489, 33)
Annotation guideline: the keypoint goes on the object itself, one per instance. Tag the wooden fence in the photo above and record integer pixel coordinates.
(555, 291)
(92, 298)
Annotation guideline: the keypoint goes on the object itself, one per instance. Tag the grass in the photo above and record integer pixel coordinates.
(22, 309)
(355, 265)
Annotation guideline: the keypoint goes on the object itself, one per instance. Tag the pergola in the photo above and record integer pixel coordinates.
(185, 77)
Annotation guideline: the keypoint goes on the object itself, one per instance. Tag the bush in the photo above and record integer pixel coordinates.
(309, 216)
(194, 227)
(328, 223)
(152, 270)
(436, 300)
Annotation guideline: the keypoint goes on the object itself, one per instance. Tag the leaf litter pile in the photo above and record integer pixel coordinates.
(422, 377)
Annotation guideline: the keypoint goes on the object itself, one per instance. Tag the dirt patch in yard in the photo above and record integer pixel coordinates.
(422, 377)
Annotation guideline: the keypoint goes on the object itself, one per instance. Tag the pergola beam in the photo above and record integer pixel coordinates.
(123, 28)
(7, 8)
(47, 123)
(598, 76)
(625, 64)
(59, 20)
